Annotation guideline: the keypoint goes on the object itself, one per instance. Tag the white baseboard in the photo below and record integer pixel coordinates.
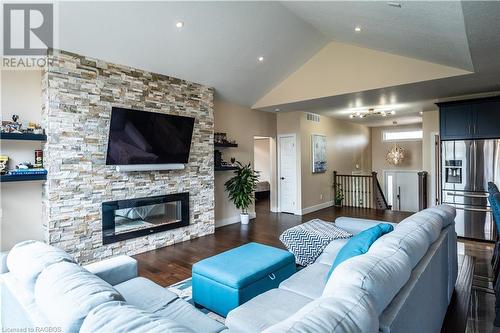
(316, 207)
(232, 220)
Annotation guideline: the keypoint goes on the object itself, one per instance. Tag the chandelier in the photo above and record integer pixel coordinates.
(371, 112)
(396, 155)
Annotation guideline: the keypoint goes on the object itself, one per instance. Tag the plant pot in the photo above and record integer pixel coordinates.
(245, 218)
(338, 203)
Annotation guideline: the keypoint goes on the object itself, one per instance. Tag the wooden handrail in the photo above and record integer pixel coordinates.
(360, 190)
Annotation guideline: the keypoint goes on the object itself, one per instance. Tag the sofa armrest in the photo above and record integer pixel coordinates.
(114, 270)
(355, 226)
(3, 262)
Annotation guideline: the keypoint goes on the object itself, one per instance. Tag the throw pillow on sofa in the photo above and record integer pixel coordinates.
(359, 244)
(28, 259)
(66, 293)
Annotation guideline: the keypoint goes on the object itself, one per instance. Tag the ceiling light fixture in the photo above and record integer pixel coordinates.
(357, 29)
(179, 24)
(371, 112)
(261, 59)
(277, 109)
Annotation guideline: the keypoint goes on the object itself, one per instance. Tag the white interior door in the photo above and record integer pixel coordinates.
(287, 174)
(401, 190)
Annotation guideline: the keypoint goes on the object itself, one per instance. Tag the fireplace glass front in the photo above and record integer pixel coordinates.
(132, 218)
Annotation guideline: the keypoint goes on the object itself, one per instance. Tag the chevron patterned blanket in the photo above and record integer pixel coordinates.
(308, 240)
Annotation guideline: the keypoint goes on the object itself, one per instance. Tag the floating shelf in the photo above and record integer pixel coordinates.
(21, 178)
(23, 136)
(225, 168)
(225, 145)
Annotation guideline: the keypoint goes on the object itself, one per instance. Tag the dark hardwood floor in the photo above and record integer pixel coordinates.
(172, 264)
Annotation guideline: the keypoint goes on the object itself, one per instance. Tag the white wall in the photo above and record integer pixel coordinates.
(262, 158)
(21, 202)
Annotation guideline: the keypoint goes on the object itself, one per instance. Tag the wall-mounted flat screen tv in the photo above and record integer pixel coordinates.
(140, 137)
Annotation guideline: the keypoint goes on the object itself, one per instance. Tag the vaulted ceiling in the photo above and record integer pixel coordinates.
(220, 43)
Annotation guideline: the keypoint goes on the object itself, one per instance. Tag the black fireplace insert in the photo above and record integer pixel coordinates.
(126, 219)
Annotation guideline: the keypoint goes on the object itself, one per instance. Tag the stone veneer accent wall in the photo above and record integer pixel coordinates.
(78, 93)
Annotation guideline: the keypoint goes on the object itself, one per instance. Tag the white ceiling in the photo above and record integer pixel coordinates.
(221, 41)
(427, 30)
(218, 46)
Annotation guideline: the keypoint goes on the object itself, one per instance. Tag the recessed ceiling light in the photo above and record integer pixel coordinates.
(179, 24)
(357, 29)
(261, 58)
(393, 112)
(421, 112)
(276, 109)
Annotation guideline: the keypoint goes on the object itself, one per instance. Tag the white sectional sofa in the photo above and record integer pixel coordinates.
(403, 284)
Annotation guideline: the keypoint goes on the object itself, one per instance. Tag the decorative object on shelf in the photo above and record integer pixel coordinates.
(233, 160)
(4, 164)
(16, 127)
(27, 171)
(220, 139)
(318, 153)
(241, 189)
(339, 195)
(38, 158)
(372, 112)
(396, 155)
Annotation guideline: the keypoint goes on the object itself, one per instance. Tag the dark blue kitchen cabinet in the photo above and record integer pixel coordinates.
(456, 122)
(487, 120)
(470, 119)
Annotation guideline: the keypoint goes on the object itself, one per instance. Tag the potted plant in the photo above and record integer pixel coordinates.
(241, 188)
(339, 195)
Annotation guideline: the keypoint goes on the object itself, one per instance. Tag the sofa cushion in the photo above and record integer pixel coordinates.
(67, 292)
(447, 212)
(187, 315)
(350, 312)
(360, 243)
(28, 259)
(265, 310)
(122, 317)
(145, 294)
(429, 223)
(380, 274)
(330, 252)
(356, 225)
(412, 240)
(300, 282)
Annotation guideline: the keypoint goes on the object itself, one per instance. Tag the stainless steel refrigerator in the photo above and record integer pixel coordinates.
(466, 168)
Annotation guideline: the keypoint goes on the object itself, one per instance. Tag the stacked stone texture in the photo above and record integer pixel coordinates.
(78, 94)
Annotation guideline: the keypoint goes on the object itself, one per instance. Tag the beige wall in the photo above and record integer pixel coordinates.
(262, 158)
(430, 126)
(348, 150)
(240, 124)
(21, 202)
(413, 152)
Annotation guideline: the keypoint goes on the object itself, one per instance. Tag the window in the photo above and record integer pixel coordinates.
(402, 135)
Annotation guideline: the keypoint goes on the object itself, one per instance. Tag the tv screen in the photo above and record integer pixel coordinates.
(139, 137)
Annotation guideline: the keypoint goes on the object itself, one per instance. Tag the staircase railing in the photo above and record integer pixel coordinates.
(360, 190)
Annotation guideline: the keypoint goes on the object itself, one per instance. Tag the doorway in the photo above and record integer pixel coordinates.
(401, 190)
(262, 161)
(287, 174)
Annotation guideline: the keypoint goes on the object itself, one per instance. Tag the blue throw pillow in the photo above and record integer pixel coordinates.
(360, 243)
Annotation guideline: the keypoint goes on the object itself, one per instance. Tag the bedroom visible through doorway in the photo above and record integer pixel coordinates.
(263, 164)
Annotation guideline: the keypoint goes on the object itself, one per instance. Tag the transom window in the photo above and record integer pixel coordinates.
(402, 135)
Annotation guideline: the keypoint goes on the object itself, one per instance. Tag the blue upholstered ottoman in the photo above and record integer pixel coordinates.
(223, 282)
